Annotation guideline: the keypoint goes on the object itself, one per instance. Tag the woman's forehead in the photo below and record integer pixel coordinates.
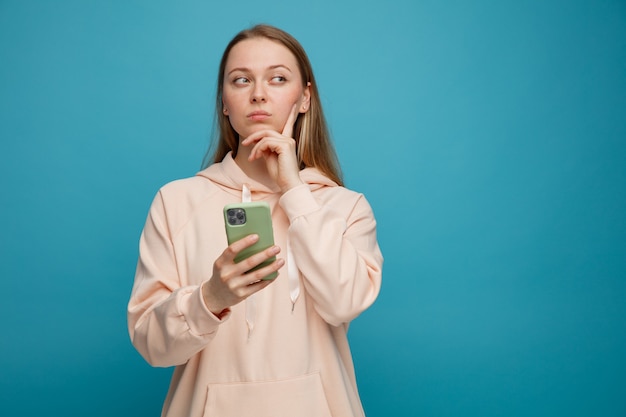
(260, 54)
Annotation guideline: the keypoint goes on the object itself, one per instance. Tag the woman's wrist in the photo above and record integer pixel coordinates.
(217, 311)
(291, 185)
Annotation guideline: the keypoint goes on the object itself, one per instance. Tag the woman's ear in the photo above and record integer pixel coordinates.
(306, 99)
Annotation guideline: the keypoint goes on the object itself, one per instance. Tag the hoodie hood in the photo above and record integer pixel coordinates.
(230, 177)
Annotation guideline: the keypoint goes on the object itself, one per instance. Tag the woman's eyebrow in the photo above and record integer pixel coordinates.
(271, 67)
(240, 69)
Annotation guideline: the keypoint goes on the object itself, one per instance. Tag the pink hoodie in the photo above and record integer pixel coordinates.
(282, 352)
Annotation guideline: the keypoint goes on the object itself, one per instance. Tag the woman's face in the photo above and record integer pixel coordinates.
(262, 83)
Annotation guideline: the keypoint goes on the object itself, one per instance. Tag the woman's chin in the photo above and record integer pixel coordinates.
(254, 128)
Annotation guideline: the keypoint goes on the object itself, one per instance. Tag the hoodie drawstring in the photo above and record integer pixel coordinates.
(293, 275)
(246, 197)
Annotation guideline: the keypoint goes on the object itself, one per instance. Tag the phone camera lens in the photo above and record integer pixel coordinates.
(236, 216)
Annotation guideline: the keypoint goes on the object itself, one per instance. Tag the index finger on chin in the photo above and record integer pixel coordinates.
(288, 129)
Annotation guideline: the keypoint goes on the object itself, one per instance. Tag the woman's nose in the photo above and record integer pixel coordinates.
(258, 94)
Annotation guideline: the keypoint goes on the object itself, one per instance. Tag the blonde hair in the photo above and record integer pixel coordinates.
(314, 145)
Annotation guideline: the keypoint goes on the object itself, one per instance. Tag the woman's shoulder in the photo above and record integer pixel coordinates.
(338, 192)
(180, 200)
(187, 194)
(344, 200)
(188, 185)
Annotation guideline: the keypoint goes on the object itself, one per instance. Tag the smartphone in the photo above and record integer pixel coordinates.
(243, 219)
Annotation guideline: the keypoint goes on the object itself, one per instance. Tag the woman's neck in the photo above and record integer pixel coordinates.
(257, 170)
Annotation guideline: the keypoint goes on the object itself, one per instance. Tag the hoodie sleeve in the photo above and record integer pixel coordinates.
(168, 323)
(337, 254)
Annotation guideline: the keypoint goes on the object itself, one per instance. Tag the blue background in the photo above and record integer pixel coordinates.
(489, 137)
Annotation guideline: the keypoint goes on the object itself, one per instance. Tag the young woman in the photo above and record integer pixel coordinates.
(243, 346)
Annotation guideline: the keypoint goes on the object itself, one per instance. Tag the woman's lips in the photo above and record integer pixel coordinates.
(258, 115)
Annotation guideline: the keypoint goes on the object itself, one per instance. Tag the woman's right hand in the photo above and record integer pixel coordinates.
(230, 284)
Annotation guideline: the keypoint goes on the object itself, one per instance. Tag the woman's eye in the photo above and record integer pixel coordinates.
(279, 79)
(240, 80)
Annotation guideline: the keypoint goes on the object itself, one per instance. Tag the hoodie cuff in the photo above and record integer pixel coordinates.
(298, 201)
(200, 319)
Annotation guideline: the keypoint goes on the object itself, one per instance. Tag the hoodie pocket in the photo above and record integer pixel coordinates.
(302, 397)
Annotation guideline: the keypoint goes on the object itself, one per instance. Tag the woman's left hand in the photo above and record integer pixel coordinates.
(279, 152)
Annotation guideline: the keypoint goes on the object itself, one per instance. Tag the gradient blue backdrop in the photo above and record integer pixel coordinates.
(489, 137)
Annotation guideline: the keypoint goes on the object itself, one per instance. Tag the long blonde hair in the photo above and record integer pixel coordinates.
(314, 145)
